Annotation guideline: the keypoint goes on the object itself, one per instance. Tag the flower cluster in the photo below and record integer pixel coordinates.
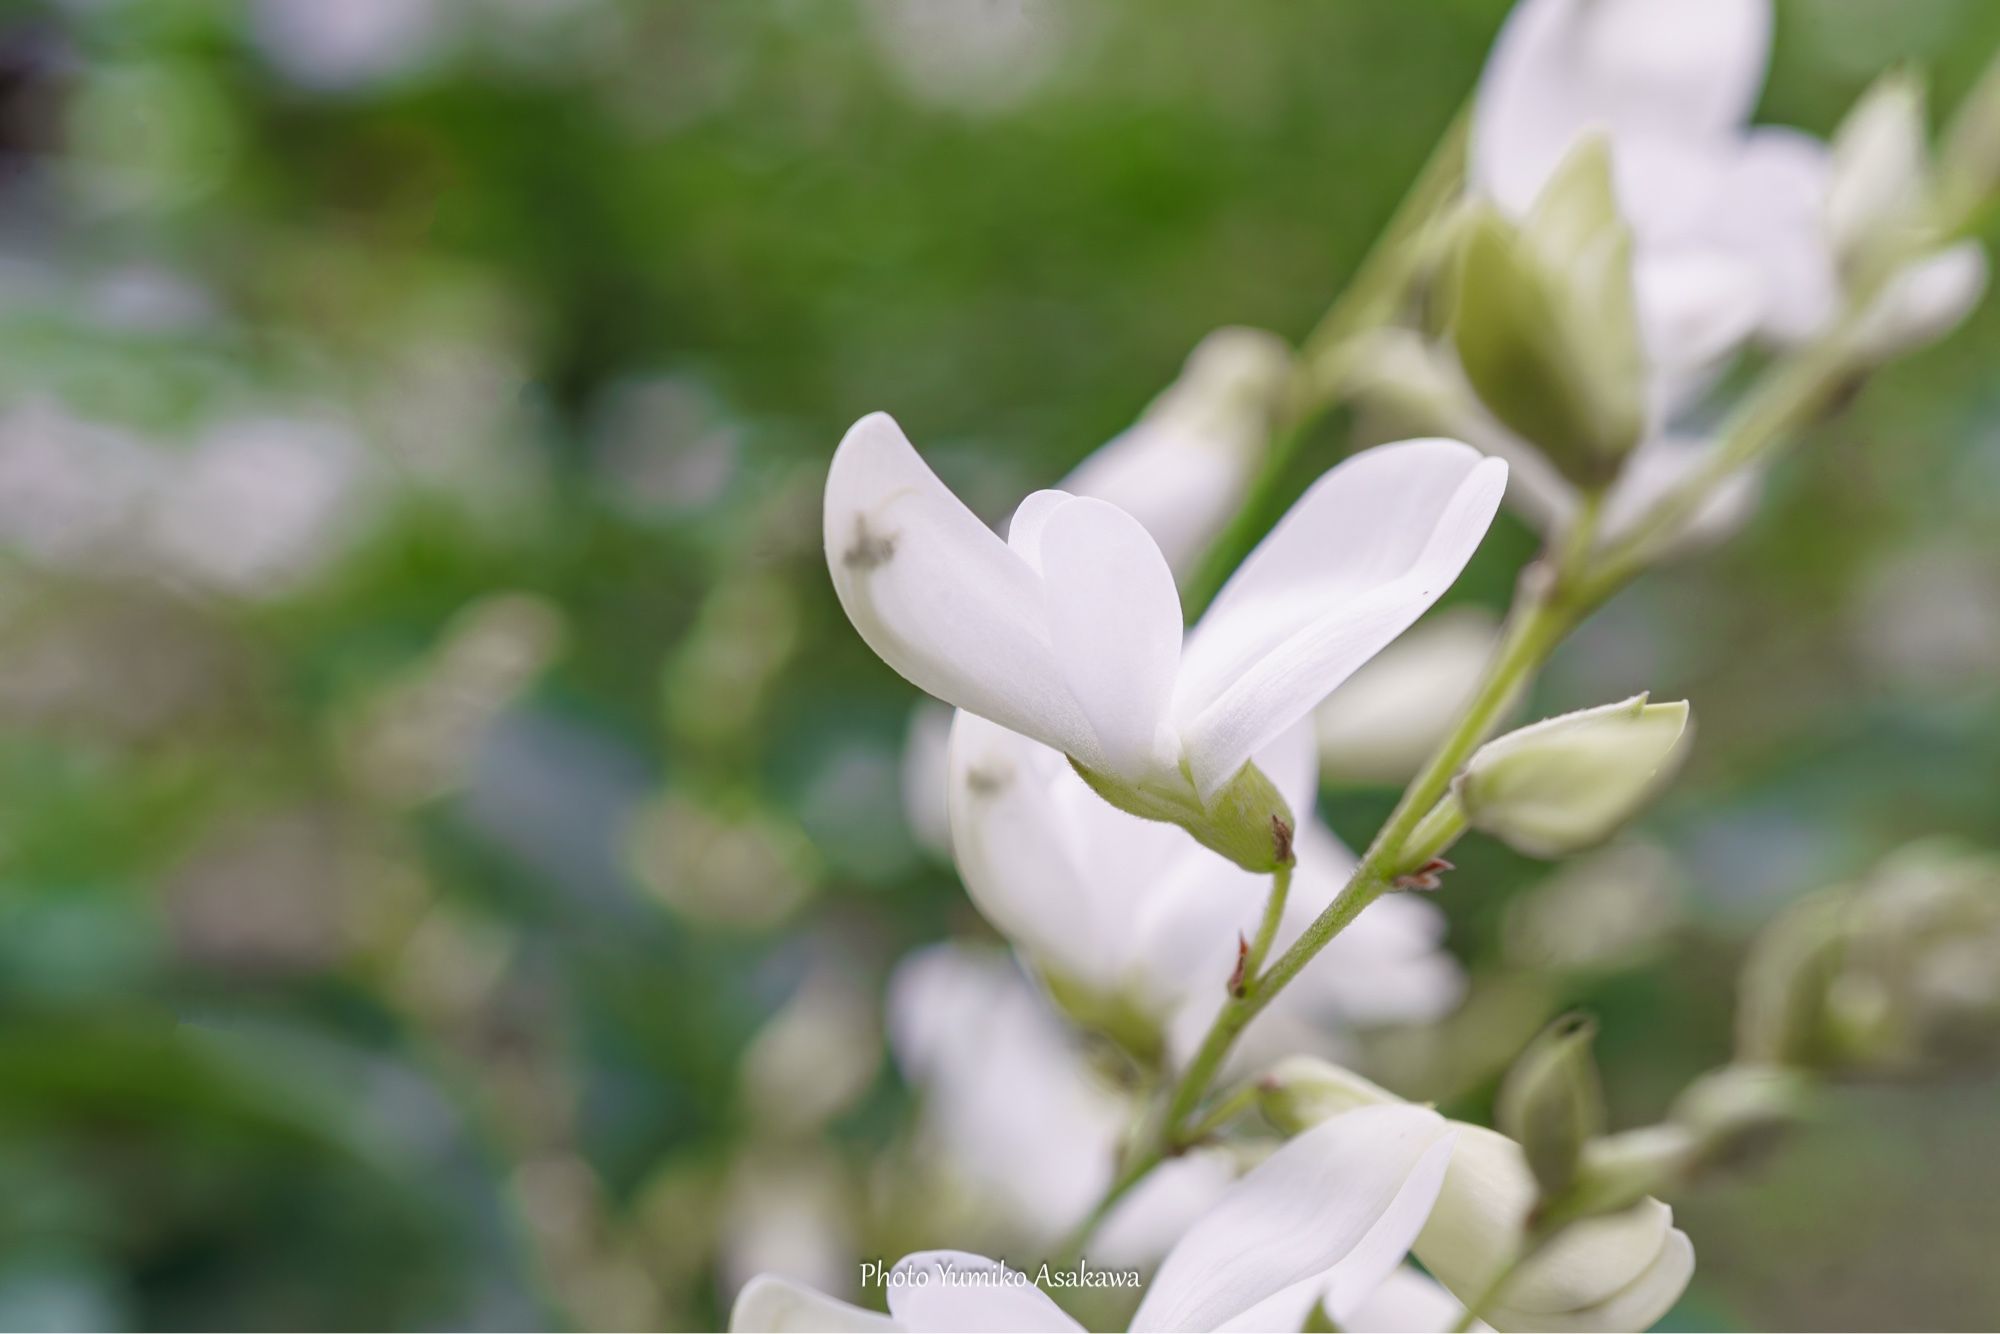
(1131, 801)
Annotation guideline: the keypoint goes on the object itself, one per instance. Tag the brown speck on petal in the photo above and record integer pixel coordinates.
(986, 782)
(868, 550)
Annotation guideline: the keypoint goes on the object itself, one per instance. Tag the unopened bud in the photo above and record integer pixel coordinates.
(1879, 193)
(1969, 166)
(1781, 1000)
(1568, 783)
(1619, 1171)
(1545, 323)
(1737, 1114)
(1302, 1091)
(1552, 1104)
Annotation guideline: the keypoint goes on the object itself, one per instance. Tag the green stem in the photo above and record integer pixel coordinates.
(1370, 299)
(1267, 929)
(1223, 1112)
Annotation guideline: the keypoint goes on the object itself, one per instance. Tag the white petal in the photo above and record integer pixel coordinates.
(937, 595)
(1115, 623)
(1409, 1302)
(971, 1294)
(1659, 465)
(1315, 1202)
(772, 1305)
(1009, 1102)
(1013, 851)
(1635, 1307)
(1160, 1209)
(1560, 67)
(1926, 301)
(1696, 305)
(1775, 217)
(1362, 554)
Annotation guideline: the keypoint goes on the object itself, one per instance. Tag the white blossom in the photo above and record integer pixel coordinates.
(1070, 631)
(1325, 1220)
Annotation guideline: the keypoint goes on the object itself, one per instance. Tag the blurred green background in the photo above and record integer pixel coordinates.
(430, 752)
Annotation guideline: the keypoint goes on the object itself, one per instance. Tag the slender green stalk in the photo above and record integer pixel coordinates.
(1223, 1112)
(1267, 929)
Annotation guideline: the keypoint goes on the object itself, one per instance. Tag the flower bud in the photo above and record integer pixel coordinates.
(1551, 1103)
(1182, 469)
(1969, 166)
(1615, 1269)
(1879, 193)
(1781, 999)
(1737, 1114)
(1618, 1270)
(1568, 783)
(1544, 320)
(1918, 985)
(1301, 1091)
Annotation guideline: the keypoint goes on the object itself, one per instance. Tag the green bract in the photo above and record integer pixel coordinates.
(1544, 320)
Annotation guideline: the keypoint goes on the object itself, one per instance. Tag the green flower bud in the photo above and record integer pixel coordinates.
(1737, 1115)
(1568, 783)
(1545, 324)
(1551, 1103)
(1302, 1091)
(1781, 999)
(1879, 196)
(1969, 167)
(1619, 1171)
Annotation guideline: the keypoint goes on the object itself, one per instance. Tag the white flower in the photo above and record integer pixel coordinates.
(1619, 1271)
(1183, 468)
(1568, 783)
(1136, 928)
(1012, 1107)
(1390, 715)
(1326, 1219)
(1735, 227)
(1070, 631)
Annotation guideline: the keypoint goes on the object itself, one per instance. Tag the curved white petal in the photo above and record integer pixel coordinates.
(1776, 218)
(957, 1292)
(1629, 67)
(1355, 1187)
(1655, 468)
(1362, 554)
(1635, 1307)
(1477, 1221)
(937, 595)
(772, 1305)
(1408, 1302)
(1696, 306)
(1114, 621)
(1926, 301)
(1013, 850)
(1009, 1103)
